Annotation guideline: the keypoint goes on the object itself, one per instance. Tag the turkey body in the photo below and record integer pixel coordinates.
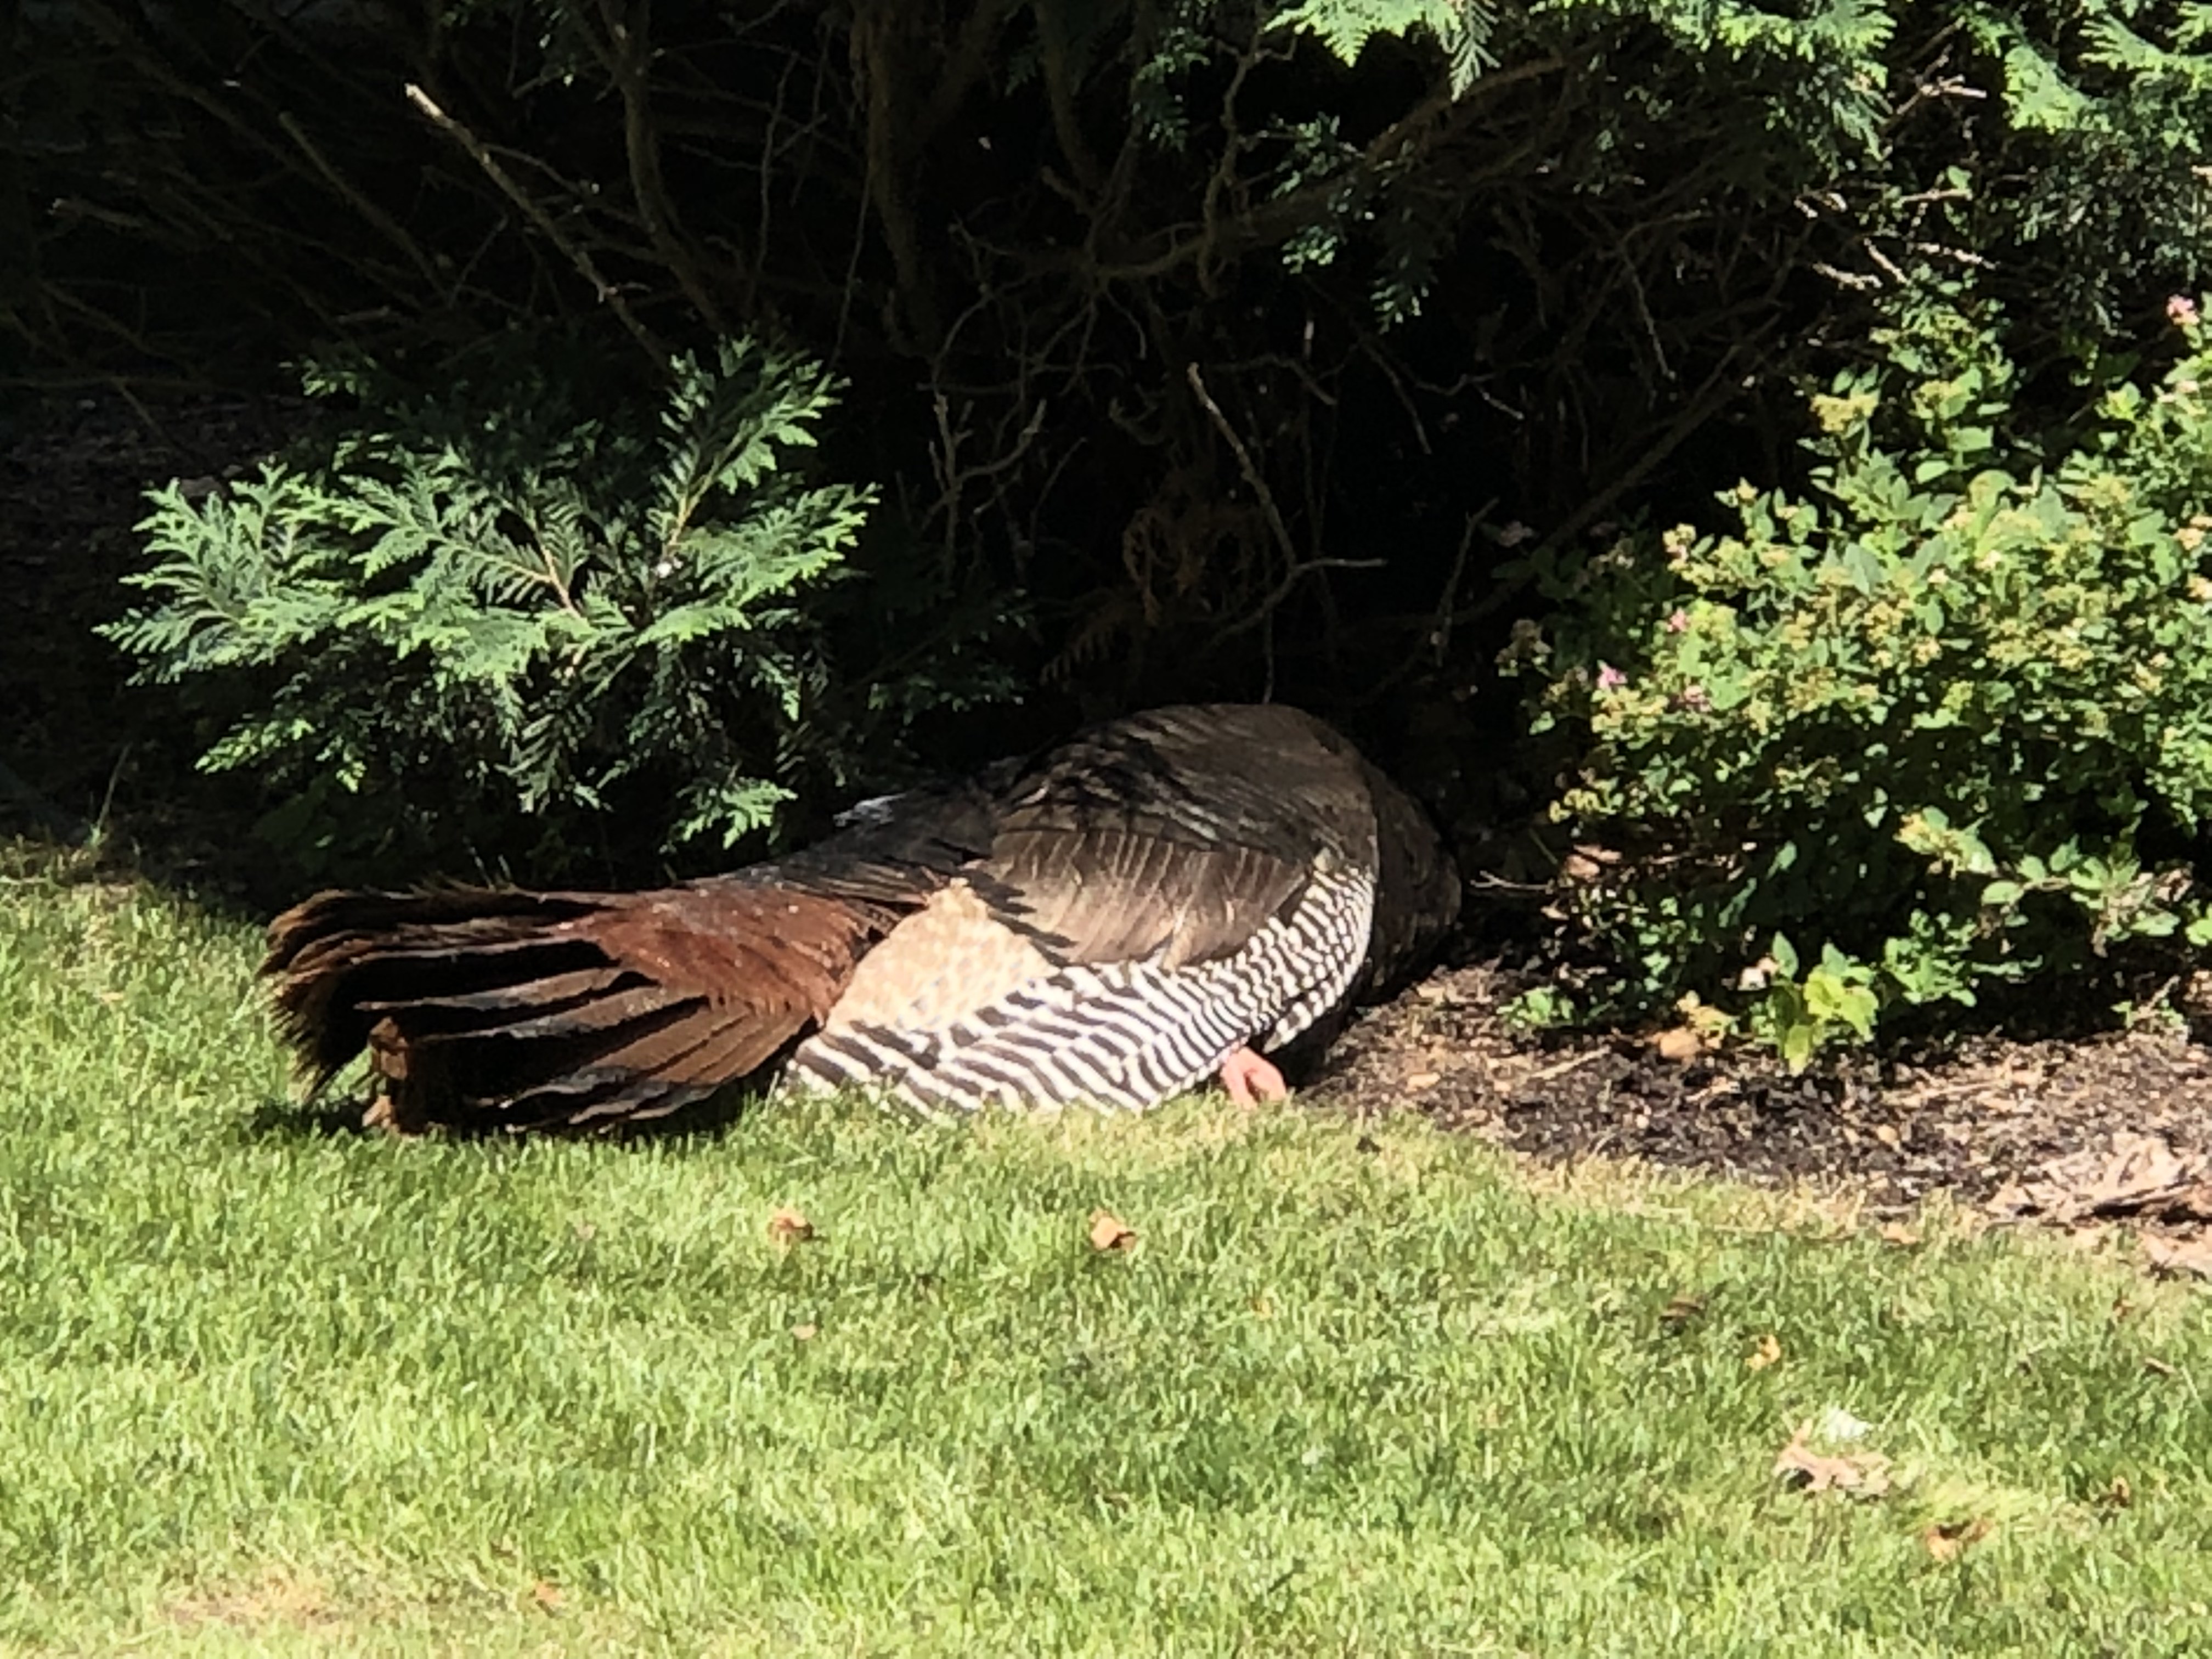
(1110, 921)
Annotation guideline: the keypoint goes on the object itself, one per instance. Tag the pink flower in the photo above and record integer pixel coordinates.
(1610, 678)
(2181, 311)
(1678, 622)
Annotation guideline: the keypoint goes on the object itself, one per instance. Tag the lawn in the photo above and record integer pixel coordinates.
(1350, 1388)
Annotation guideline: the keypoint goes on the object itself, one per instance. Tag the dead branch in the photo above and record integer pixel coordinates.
(627, 56)
(608, 294)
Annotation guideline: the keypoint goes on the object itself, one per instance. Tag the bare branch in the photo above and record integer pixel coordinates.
(1299, 570)
(609, 295)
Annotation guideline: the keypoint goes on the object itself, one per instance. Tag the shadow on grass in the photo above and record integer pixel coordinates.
(700, 1125)
(313, 1120)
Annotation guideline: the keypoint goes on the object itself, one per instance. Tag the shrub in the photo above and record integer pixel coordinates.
(480, 617)
(1945, 721)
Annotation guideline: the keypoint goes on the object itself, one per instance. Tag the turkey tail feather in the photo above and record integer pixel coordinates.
(529, 1010)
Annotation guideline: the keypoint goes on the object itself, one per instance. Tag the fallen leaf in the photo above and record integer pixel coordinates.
(546, 1594)
(1424, 1080)
(1768, 1352)
(1679, 1044)
(1948, 1540)
(1683, 1308)
(1109, 1232)
(2139, 1175)
(1865, 1473)
(2178, 1255)
(2119, 1494)
(787, 1226)
(1897, 1233)
(805, 1333)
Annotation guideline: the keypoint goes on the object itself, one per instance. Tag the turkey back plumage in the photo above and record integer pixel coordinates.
(1103, 920)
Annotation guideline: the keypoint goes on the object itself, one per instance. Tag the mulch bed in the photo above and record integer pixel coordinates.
(2074, 1132)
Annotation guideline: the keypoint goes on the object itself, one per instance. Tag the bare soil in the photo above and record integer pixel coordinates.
(2074, 1132)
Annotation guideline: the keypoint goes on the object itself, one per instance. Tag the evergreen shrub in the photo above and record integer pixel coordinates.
(486, 615)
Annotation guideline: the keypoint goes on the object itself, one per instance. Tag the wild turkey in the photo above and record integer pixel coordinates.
(1114, 921)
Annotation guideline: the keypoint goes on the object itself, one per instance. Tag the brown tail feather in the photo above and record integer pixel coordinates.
(527, 1009)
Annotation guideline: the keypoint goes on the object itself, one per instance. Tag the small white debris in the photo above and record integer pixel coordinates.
(1840, 1428)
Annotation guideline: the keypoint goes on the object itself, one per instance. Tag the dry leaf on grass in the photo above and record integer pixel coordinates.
(787, 1226)
(1768, 1352)
(2178, 1255)
(804, 1333)
(2119, 1494)
(1946, 1540)
(1109, 1232)
(547, 1595)
(1863, 1474)
(1897, 1233)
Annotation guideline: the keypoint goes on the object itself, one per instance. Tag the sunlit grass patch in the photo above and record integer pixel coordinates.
(1349, 1388)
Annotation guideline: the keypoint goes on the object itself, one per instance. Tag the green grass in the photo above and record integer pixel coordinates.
(267, 1389)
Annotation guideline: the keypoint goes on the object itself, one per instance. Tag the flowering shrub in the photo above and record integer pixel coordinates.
(1946, 721)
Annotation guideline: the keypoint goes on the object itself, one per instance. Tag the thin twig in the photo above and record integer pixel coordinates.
(627, 57)
(1299, 570)
(586, 267)
(1440, 636)
(1282, 531)
(393, 231)
(955, 478)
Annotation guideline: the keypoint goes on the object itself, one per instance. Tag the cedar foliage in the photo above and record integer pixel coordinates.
(486, 608)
